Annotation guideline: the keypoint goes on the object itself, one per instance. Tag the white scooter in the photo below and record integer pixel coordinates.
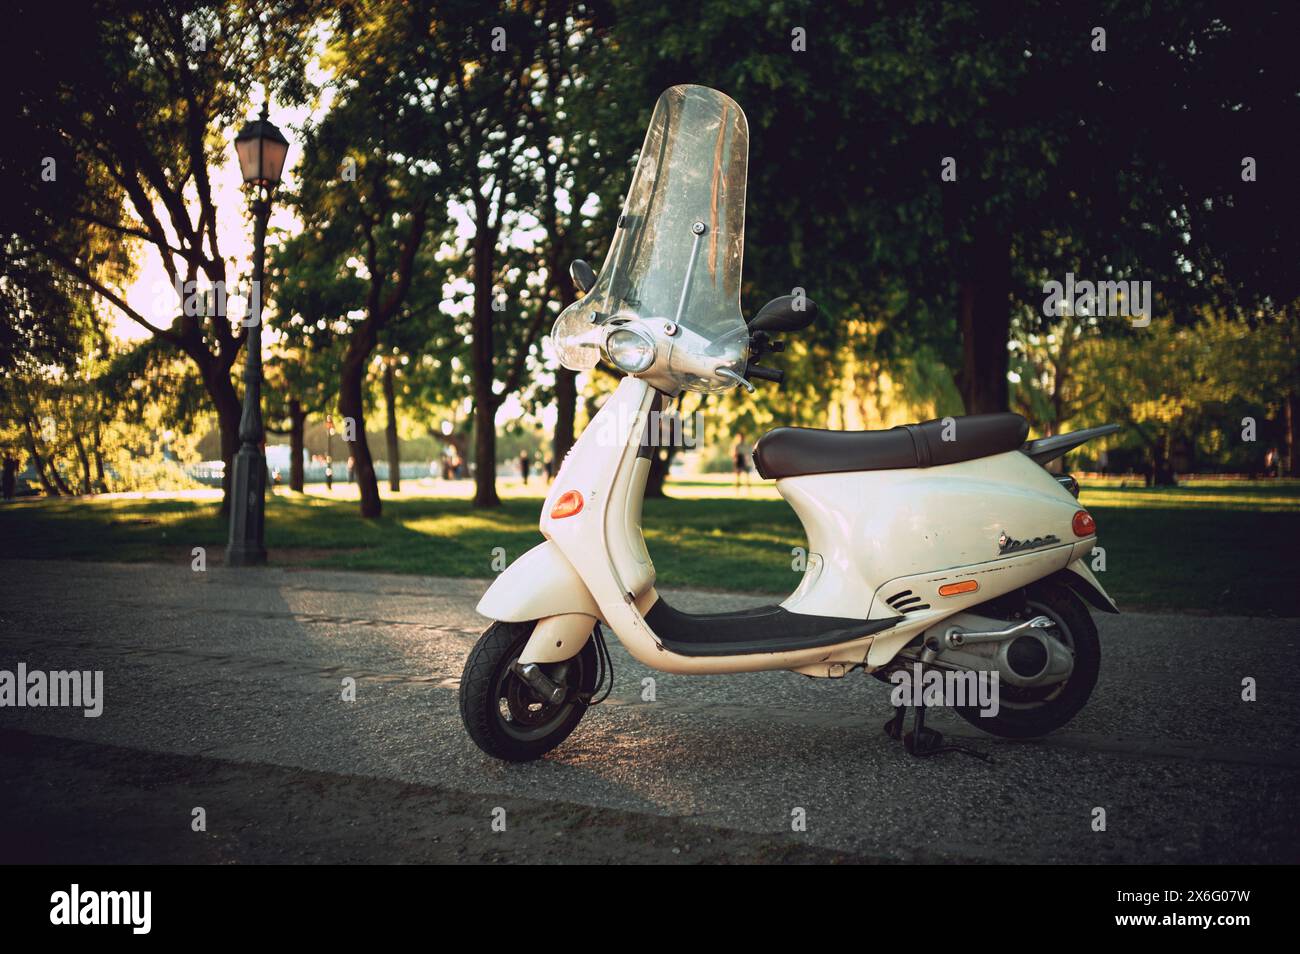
(944, 545)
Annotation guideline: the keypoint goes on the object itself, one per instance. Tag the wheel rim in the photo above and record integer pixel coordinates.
(521, 713)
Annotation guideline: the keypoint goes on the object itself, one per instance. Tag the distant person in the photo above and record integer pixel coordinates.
(549, 467)
(352, 466)
(524, 463)
(740, 455)
(1271, 459)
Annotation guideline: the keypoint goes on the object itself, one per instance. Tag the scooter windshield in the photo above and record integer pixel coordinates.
(677, 249)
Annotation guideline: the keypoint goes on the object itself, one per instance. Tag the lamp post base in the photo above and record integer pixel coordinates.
(247, 509)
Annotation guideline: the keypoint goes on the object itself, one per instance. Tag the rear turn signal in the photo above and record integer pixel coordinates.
(570, 502)
(1084, 525)
(956, 589)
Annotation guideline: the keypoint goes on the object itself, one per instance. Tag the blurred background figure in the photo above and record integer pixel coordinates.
(740, 452)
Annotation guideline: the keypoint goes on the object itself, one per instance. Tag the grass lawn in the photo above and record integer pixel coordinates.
(1224, 547)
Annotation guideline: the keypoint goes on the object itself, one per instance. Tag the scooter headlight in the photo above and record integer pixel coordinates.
(630, 350)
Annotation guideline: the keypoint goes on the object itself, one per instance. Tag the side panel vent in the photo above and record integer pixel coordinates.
(905, 602)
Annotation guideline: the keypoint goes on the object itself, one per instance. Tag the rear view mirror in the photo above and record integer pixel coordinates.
(781, 314)
(582, 275)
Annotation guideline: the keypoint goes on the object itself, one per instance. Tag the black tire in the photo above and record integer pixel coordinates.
(1025, 714)
(501, 714)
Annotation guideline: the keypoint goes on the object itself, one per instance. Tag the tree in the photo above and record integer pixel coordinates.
(852, 136)
(302, 375)
(48, 335)
(367, 201)
(583, 140)
(490, 76)
(481, 86)
(123, 159)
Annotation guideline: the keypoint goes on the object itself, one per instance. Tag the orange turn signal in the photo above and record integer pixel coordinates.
(570, 502)
(1084, 525)
(956, 589)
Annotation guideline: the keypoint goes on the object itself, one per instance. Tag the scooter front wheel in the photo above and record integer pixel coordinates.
(502, 713)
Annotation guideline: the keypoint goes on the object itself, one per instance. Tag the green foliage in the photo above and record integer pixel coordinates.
(1116, 164)
(845, 196)
(1184, 392)
(1236, 535)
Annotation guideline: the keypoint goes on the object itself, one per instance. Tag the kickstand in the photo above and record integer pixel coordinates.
(923, 742)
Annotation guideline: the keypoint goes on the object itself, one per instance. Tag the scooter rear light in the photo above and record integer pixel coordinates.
(570, 502)
(1084, 525)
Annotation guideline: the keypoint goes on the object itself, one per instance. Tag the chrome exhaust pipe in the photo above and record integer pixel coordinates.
(956, 637)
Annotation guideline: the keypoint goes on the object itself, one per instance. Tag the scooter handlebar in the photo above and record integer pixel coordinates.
(765, 374)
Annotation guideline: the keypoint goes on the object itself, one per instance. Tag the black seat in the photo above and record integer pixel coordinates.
(795, 451)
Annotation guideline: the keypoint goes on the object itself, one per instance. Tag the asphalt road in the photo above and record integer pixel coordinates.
(222, 690)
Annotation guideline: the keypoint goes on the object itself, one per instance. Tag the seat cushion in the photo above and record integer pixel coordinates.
(795, 451)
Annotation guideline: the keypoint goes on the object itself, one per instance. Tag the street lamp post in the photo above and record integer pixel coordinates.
(261, 148)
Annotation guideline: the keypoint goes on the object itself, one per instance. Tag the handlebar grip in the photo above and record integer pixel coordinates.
(765, 374)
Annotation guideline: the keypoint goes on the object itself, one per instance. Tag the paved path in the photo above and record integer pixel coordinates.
(222, 690)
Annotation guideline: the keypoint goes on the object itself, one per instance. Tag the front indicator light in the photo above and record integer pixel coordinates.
(956, 589)
(1084, 525)
(570, 502)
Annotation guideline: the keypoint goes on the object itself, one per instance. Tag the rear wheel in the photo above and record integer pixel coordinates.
(1027, 712)
(502, 714)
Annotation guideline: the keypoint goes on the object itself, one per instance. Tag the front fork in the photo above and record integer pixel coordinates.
(557, 638)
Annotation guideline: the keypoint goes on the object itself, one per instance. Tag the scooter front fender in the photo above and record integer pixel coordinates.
(539, 584)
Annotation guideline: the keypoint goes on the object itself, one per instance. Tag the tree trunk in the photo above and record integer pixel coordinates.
(485, 406)
(1291, 433)
(98, 452)
(58, 478)
(566, 381)
(37, 462)
(566, 405)
(229, 407)
(84, 459)
(351, 406)
(9, 482)
(661, 457)
(390, 430)
(1162, 470)
(654, 481)
(984, 317)
(297, 420)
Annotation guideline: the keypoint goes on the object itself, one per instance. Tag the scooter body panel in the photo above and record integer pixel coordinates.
(604, 544)
(1001, 521)
(876, 534)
